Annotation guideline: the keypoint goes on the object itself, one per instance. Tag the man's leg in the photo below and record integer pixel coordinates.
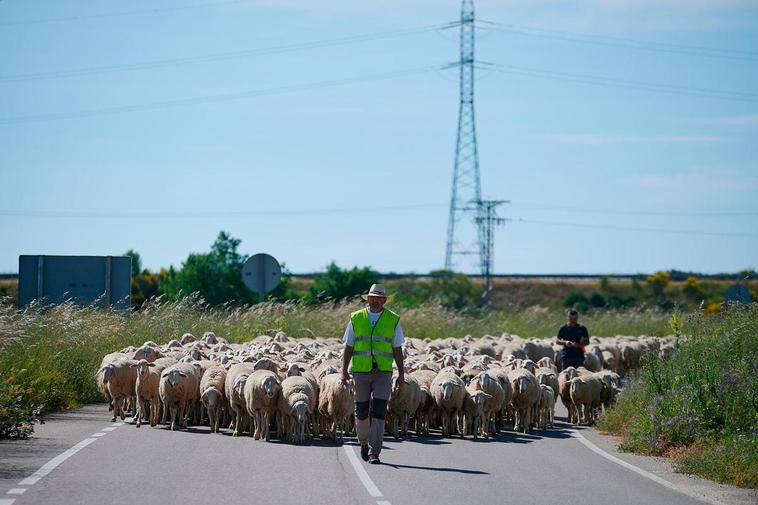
(362, 404)
(381, 386)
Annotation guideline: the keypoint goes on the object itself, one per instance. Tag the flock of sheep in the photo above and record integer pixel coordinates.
(292, 387)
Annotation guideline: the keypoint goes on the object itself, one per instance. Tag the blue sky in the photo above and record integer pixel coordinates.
(562, 151)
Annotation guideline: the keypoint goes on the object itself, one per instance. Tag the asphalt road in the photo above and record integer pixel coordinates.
(145, 466)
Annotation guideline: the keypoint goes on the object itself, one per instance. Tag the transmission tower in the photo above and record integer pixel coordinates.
(464, 236)
(487, 220)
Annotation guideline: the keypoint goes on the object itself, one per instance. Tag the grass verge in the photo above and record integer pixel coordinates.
(699, 406)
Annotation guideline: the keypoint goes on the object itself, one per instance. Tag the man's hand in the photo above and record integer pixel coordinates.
(400, 383)
(345, 377)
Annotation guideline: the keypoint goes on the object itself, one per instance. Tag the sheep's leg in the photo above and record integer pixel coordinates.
(235, 420)
(174, 412)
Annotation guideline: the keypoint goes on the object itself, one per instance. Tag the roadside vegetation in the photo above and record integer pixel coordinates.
(699, 406)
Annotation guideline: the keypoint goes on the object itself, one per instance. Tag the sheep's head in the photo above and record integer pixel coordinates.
(327, 371)
(522, 384)
(293, 369)
(300, 409)
(484, 379)
(447, 390)
(271, 386)
(143, 367)
(175, 376)
(479, 398)
(530, 365)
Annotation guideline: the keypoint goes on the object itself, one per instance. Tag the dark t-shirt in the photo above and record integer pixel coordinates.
(572, 334)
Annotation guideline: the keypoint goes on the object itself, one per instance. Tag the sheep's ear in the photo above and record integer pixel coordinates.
(151, 364)
(487, 395)
(183, 374)
(132, 366)
(301, 369)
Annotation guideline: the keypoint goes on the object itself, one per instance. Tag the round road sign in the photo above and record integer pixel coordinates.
(261, 273)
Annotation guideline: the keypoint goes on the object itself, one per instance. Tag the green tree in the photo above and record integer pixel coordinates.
(136, 261)
(216, 276)
(337, 283)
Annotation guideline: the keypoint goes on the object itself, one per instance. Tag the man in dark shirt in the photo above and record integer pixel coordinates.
(573, 337)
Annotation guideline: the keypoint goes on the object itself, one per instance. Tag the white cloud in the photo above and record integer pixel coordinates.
(591, 139)
(698, 182)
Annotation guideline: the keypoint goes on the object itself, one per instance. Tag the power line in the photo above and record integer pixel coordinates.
(216, 214)
(633, 228)
(620, 83)
(627, 43)
(587, 210)
(213, 98)
(155, 10)
(229, 55)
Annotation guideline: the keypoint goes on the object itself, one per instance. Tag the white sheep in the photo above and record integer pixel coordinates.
(212, 395)
(234, 388)
(449, 392)
(403, 404)
(120, 377)
(546, 406)
(178, 390)
(147, 391)
(336, 405)
(262, 390)
(296, 403)
(526, 393)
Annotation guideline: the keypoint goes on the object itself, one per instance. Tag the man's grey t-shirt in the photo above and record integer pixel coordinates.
(373, 317)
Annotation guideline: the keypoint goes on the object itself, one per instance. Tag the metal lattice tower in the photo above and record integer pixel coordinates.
(487, 221)
(464, 235)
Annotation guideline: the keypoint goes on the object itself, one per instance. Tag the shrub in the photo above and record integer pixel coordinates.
(577, 300)
(705, 393)
(18, 412)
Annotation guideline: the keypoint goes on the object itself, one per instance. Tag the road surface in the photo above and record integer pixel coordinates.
(81, 458)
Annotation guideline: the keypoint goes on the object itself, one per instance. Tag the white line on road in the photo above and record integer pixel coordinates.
(17, 490)
(7, 501)
(361, 472)
(98, 434)
(381, 502)
(110, 428)
(640, 471)
(50, 465)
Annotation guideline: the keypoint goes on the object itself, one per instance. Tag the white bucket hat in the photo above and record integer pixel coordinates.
(376, 290)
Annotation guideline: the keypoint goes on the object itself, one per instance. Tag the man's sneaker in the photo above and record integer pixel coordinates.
(364, 452)
(373, 460)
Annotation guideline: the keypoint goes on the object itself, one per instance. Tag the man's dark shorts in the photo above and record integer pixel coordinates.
(567, 361)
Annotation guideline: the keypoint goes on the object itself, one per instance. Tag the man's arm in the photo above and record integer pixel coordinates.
(397, 352)
(559, 340)
(347, 355)
(585, 339)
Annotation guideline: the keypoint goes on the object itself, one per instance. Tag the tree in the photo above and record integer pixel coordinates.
(336, 283)
(658, 282)
(136, 261)
(216, 276)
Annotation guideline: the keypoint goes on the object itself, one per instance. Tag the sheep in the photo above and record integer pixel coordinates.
(448, 392)
(102, 386)
(187, 338)
(526, 393)
(296, 403)
(336, 404)
(493, 403)
(473, 411)
(178, 390)
(261, 398)
(148, 353)
(212, 395)
(146, 391)
(612, 382)
(610, 362)
(586, 391)
(546, 406)
(591, 362)
(547, 363)
(564, 391)
(234, 388)
(426, 408)
(120, 378)
(549, 377)
(403, 404)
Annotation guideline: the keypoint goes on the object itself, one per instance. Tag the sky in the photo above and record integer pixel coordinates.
(624, 133)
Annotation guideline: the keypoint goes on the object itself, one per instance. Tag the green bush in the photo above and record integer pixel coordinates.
(18, 412)
(577, 300)
(706, 391)
(337, 283)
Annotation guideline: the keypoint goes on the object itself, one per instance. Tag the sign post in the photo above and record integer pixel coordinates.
(261, 274)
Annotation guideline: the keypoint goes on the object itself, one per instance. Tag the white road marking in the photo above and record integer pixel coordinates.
(98, 434)
(361, 472)
(640, 471)
(381, 502)
(118, 424)
(110, 428)
(7, 501)
(50, 465)
(17, 490)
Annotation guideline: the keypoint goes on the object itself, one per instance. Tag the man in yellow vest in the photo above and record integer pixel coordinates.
(372, 342)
